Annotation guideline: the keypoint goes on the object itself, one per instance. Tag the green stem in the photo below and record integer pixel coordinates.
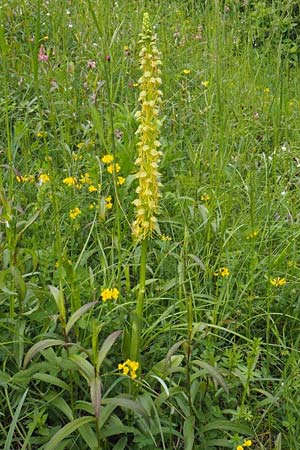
(138, 319)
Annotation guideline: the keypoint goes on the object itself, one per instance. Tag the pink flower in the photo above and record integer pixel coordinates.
(91, 64)
(42, 55)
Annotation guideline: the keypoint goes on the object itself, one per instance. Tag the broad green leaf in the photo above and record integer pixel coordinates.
(213, 372)
(14, 422)
(95, 387)
(39, 346)
(59, 300)
(127, 403)
(106, 412)
(77, 314)
(89, 435)
(115, 427)
(19, 342)
(226, 425)
(61, 404)
(50, 379)
(86, 369)
(188, 433)
(107, 344)
(66, 431)
(85, 406)
(19, 283)
(173, 350)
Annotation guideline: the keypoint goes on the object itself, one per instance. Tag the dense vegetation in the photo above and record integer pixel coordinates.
(185, 336)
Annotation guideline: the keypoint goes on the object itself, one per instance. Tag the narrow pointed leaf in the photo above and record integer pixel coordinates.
(50, 379)
(95, 386)
(85, 367)
(89, 435)
(129, 404)
(107, 344)
(214, 373)
(39, 346)
(59, 300)
(77, 314)
(13, 424)
(188, 433)
(66, 431)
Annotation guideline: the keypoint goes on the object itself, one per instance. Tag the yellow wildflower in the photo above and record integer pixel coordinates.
(223, 272)
(107, 159)
(148, 146)
(44, 178)
(113, 168)
(41, 134)
(121, 180)
(205, 197)
(109, 294)
(129, 366)
(186, 71)
(76, 157)
(239, 447)
(205, 83)
(266, 90)
(80, 145)
(247, 443)
(25, 178)
(252, 235)
(70, 181)
(85, 179)
(92, 205)
(108, 202)
(164, 237)
(92, 188)
(124, 368)
(277, 282)
(74, 213)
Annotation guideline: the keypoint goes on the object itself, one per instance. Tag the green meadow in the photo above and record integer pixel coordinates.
(149, 225)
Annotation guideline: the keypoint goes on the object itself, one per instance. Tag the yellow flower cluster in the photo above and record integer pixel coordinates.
(109, 294)
(121, 180)
(113, 167)
(44, 178)
(74, 213)
(277, 282)
(165, 237)
(108, 202)
(70, 181)
(41, 134)
(205, 197)
(252, 235)
(107, 159)
(129, 366)
(25, 178)
(223, 272)
(148, 131)
(41, 179)
(84, 179)
(247, 443)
